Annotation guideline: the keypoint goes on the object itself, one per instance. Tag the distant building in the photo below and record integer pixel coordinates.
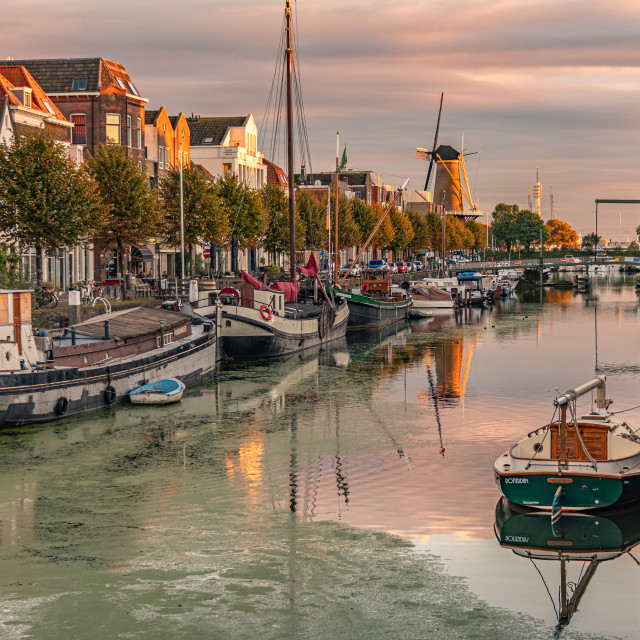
(363, 185)
(98, 96)
(228, 145)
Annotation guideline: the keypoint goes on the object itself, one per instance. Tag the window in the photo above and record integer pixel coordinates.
(79, 84)
(120, 83)
(113, 128)
(208, 141)
(133, 89)
(139, 133)
(47, 104)
(27, 98)
(161, 157)
(139, 165)
(128, 131)
(226, 168)
(79, 131)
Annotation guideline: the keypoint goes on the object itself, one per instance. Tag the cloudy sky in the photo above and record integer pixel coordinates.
(551, 83)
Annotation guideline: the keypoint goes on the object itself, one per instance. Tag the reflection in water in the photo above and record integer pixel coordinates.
(581, 538)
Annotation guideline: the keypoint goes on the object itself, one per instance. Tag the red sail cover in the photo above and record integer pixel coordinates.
(290, 290)
(311, 270)
(256, 284)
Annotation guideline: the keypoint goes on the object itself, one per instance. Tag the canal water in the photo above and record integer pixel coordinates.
(341, 494)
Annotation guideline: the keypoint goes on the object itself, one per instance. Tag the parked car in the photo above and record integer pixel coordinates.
(354, 273)
(378, 264)
(417, 265)
(392, 267)
(402, 267)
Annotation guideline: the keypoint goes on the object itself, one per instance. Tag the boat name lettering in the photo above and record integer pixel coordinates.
(516, 480)
(179, 330)
(516, 539)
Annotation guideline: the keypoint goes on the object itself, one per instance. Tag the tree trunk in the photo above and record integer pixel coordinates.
(192, 261)
(121, 273)
(39, 264)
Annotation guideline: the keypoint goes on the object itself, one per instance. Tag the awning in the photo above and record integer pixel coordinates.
(143, 254)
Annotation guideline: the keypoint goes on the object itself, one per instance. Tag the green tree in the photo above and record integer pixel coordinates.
(561, 234)
(384, 235)
(590, 241)
(205, 218)
(244, 210)
(503, 226)
(528, 226)
(402, 230)
(479, 232)
(45, 200)
(275, 204)
(131, 211)
(420, 226)
(349, 234)
(313, 214)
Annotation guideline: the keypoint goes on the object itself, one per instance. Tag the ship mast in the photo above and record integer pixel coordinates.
(292, 215)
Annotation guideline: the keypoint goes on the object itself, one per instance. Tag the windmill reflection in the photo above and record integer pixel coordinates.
(581, 538)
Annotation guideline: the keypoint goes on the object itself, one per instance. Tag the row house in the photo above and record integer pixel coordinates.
(26, 107)
(228, 145)
(167, 140)
(104, 105)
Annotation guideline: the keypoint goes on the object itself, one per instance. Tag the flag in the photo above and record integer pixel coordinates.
(329, 210)
(343, 162)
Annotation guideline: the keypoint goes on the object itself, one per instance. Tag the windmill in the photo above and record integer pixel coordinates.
(451, 182)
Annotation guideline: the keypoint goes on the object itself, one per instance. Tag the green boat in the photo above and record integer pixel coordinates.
(373, 304)
(575, 463)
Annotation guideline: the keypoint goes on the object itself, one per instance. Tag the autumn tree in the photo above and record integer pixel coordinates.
(419, 224)
(205, 219)
(349, 233)
(561, 234)
(402, 230)
(479, 232)
(131, 213)
(45, 200)
(313, 214)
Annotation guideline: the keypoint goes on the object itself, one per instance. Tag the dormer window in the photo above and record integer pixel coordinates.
(133, 89)
(27, 98)
(208, 141)
(49, 108)
(79, 84)
(121, 84)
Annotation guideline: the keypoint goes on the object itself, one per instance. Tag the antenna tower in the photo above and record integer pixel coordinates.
(530, 205)
(537, 191)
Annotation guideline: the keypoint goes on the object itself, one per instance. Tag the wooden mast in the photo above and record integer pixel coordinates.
(292, 215)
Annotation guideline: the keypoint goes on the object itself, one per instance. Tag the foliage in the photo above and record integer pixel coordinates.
(420, 240)
(46, 201)
(384, 235)
(590, 241)
(275, 204)
(528, 226)
(561, 234)
(244, 211)
(503, 226)
(313, 214)
(402, 230)
(479, 232)
(349, 233)
(204, 217)
(638, 231)
(131, 211)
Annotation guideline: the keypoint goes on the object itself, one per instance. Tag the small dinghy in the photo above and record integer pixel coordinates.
(160, 392)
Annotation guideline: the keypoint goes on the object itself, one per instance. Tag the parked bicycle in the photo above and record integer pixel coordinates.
(89, 292)
(47, 298)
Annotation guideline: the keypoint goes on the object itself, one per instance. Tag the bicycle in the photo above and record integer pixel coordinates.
(47, 299)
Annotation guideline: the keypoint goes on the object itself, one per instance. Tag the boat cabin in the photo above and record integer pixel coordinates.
(18, 346)
(375, 282)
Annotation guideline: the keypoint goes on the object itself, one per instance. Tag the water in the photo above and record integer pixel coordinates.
(345, 494)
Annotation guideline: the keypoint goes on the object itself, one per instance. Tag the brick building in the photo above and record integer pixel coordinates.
(98, 96)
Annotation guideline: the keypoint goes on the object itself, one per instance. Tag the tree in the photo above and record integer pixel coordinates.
(384, 235)
(503, 225)
(275, 203)
(205, 219)
(638, 231)
(479, 232)
(45, 200)
(420, 240)
(590, 241)
(131, 211)
(349, 233)
(528, 226)
(561, 234)
(313, 214)
(402, 230)
(244, 210)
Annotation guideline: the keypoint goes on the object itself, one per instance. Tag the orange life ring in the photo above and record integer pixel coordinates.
(265, 312)
(365, 287)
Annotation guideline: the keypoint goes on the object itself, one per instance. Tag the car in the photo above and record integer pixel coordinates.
(402, 267)
(354, 273)
(378, 264)
(392, 267)
(417, 265)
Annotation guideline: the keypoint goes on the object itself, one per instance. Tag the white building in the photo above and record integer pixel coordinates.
(224, 145)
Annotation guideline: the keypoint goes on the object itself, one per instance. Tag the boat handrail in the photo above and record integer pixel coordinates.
(599, 383)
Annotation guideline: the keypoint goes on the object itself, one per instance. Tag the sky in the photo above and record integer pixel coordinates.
(553, 84)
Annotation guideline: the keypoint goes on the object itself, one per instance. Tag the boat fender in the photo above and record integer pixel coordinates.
(365, 287)
(109, 395)
(61, 406)
(265, 312)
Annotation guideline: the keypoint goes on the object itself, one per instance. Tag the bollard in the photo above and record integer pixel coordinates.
(106, 329)
(73, 336)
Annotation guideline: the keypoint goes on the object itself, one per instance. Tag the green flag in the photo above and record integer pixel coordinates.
(343, 163)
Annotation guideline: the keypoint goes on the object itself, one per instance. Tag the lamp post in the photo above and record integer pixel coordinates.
(181, 219)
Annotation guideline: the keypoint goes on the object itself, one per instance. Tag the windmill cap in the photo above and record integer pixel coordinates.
(447, 153)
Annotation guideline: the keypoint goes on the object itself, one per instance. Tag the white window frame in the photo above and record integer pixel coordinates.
(139, 133)
(129, 132)
(161, 157)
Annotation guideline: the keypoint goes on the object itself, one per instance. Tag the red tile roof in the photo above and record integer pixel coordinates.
(12, 77)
